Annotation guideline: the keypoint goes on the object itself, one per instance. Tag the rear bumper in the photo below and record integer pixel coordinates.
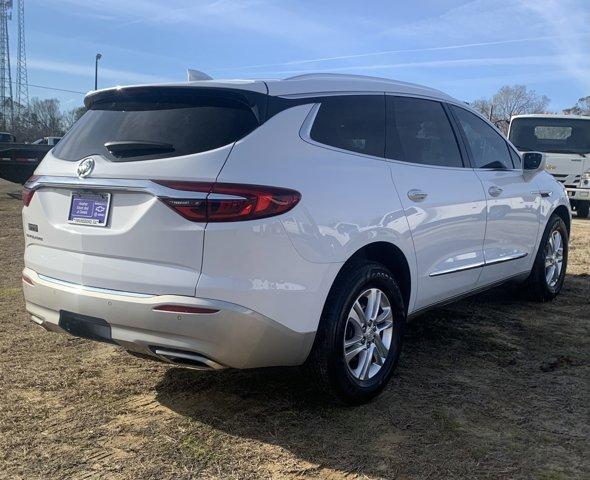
(234, 336)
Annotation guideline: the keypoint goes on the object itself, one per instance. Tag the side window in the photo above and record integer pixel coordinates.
(516, 160)
(352, 122)
(418, 131)
(488, 148)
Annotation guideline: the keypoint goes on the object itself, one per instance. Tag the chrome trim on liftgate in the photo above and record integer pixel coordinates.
(121, 184)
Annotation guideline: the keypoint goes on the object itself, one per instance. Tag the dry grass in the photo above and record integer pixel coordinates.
(488, 388)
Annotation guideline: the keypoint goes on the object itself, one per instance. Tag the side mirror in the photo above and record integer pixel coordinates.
(533, 161)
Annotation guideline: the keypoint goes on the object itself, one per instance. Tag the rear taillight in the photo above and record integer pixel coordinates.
(230, 202)
(28, 192)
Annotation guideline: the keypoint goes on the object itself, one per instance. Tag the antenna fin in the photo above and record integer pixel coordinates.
(194, 75)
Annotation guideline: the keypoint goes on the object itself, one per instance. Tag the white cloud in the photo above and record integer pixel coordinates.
(409, 50)
(567, 15)
(541, 60)
(87, 70)
(280, 20)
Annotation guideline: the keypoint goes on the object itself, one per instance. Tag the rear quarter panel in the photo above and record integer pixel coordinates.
(348, 201)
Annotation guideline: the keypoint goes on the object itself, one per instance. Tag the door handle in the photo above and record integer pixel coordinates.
(495, 191)
(417, 195)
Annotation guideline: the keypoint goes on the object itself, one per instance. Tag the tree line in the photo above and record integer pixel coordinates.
(513, 100)
(44, 118)
(41, 118)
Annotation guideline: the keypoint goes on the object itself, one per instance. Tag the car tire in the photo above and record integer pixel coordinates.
(343, 375)
(582, 209)
(542, 286)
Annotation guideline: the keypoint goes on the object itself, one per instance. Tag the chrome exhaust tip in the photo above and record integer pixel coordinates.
(186, 359)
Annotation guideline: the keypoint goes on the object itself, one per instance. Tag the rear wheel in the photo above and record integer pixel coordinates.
(582, 209)
(548, 273)
(359, 338)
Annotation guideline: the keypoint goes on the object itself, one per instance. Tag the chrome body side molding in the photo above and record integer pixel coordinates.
(495, 261)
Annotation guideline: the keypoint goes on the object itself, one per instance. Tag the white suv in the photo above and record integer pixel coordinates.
(245, 224)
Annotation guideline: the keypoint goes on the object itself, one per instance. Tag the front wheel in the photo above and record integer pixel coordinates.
(548, 273)
(359, 338)
(582, 209)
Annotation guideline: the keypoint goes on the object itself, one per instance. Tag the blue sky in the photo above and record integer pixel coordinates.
(468, 48)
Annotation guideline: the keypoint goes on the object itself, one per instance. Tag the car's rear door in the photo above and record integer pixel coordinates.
(442, 197)
(513, 199)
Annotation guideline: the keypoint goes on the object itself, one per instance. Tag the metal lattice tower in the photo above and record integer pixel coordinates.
(6, 104)
(22, 87)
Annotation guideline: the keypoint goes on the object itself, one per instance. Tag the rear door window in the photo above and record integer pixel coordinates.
(352, 122)
(156, 123)
(488, 148)
(419, 131)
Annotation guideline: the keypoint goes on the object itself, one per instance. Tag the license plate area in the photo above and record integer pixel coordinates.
(89, 208)
(85, 327)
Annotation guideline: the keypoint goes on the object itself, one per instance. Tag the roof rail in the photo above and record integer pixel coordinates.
(320, 75)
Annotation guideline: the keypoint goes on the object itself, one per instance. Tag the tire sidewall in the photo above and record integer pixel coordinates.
(370, 276)
(555, 224)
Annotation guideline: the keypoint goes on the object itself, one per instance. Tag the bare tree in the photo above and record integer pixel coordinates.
(72, 116)
(582, 107)
(510, 101)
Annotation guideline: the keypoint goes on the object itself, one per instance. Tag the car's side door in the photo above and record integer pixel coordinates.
(513, 200)
(442, 197)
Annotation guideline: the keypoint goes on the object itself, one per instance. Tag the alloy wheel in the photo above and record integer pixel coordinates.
(368, 334)
(553, 258)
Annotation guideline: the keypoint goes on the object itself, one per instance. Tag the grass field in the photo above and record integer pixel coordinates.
(491, 387)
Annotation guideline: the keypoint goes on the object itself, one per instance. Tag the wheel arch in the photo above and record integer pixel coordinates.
(391, 257)
(563, 212)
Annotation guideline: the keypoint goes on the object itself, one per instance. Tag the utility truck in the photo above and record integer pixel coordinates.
(565, 140)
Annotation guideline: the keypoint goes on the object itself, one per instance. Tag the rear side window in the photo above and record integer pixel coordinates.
(419, 131)
(355, 123)
(156, 123)
(488, 148)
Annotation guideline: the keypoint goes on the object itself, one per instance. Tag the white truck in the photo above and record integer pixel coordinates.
(565, 139)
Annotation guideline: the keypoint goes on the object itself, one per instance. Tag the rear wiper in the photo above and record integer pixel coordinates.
(130, 148)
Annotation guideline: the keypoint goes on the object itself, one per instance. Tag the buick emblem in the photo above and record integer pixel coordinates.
(85, 167)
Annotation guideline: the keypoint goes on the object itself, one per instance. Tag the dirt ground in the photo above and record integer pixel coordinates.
(491, 387)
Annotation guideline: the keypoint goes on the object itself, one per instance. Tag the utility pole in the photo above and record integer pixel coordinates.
(6, 103)
(22, 87)
(96, 59)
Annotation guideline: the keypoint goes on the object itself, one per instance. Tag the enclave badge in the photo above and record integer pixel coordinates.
(85, 167)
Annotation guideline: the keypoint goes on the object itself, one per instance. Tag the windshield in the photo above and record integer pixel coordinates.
(5, 137)
(552, 135)
(132, 126)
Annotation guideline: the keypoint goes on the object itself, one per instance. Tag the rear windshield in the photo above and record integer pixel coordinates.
(554, 135)
(144, 124)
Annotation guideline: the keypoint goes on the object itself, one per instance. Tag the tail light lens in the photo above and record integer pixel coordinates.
(28, 192)
(230, 202)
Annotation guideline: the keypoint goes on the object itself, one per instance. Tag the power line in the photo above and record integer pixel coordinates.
(45, 87)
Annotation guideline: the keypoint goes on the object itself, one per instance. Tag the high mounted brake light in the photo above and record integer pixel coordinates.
(229, 202)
